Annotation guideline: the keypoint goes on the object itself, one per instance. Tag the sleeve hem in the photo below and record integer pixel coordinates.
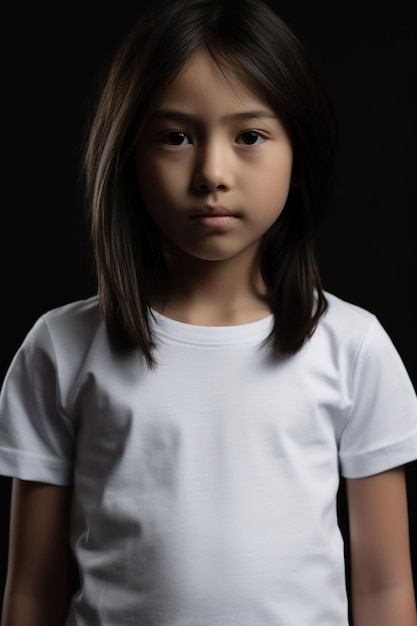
(375, 461)
(29, 467)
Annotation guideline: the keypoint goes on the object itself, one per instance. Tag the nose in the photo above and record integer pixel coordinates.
(213, 168)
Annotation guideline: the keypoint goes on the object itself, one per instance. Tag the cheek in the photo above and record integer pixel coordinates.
(273, 185)
(159, 185)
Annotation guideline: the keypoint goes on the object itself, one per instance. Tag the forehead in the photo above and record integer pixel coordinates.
(202, 83)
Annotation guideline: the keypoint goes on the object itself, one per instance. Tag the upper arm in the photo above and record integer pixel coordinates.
(38, 551)
(379, 533)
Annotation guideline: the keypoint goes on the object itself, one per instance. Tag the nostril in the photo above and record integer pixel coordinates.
(206, 187)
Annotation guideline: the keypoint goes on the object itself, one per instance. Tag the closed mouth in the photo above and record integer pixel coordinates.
(213, 212)
(214, 221)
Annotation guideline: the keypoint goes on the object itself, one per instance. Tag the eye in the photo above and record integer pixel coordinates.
(176, 138)
(250, 138)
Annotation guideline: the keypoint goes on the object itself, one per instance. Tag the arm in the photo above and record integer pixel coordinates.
(382, 582)
(37, 587)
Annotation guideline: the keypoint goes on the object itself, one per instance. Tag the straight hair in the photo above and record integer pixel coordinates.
(247, 38)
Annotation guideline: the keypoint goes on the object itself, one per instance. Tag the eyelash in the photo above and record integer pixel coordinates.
(179, 134)
(253, 133)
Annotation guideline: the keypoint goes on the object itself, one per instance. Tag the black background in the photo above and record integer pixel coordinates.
(366, 54)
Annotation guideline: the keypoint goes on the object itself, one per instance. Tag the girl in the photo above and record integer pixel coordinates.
(186, 429)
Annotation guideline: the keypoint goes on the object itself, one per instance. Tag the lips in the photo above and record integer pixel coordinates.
(213, 211)
(214, 217)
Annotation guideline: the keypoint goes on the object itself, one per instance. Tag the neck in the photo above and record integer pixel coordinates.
(213, 293)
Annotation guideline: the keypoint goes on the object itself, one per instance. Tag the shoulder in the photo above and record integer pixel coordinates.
(352, 331)
(346, 322)
(78, 309)
(65, 332)
(75, 319)
(54, 350)
(342, 313)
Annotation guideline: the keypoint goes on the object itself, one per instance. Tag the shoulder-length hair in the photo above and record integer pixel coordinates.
(249, 39)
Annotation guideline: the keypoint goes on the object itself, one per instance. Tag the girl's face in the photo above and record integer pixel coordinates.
(213, 164)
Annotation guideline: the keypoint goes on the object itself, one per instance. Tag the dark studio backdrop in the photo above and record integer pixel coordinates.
(366, 54)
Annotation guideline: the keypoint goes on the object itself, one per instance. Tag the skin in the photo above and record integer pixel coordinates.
(382, 587)
(212, 142)
(382, 581)
(37, 587)
(197, 156)
(184, 164)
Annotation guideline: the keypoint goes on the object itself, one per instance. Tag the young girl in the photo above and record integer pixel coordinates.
(185, 430)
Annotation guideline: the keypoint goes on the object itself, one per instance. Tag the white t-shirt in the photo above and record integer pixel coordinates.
(205, 491)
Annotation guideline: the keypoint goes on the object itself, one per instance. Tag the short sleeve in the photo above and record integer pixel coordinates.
(381, 430)
(36, 437)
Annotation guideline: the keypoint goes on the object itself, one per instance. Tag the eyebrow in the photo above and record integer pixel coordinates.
(180, 116)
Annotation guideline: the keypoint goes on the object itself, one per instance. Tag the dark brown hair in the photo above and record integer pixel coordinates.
(249, 39)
